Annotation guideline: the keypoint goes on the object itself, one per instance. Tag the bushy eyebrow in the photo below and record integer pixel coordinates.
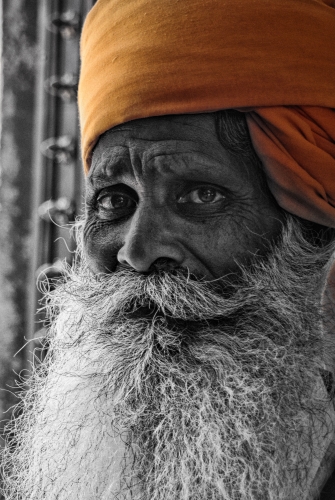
(117, 168)
(107, 166)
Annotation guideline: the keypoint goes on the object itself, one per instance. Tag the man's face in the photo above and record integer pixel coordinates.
(165, 188)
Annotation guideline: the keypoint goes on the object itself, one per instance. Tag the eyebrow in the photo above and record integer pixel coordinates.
(115, 164)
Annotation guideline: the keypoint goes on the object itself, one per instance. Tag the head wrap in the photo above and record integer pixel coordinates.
(273, 59)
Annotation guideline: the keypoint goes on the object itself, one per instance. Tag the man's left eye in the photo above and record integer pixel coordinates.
(202, 195)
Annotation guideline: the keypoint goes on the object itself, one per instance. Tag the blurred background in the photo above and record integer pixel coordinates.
(41, 181)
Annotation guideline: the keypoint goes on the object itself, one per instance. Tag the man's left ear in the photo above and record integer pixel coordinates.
(328, 313)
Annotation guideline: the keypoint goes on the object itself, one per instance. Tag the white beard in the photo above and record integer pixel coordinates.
(197, 397)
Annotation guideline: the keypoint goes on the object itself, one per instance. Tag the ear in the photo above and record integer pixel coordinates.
(328, 313)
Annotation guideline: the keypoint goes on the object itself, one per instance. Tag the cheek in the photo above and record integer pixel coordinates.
(220, 249)
(212, 246)
(222, 246)
(101, 249)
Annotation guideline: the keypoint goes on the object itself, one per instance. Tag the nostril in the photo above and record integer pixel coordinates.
(163, 264)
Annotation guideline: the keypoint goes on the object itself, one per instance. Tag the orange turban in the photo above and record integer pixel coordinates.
(273, 59)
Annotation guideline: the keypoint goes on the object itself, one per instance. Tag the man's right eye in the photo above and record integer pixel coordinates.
(116, 202)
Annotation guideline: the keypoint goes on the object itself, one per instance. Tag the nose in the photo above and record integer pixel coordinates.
(150, 242)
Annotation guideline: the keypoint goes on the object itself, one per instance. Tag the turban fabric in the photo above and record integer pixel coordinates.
(272, 59)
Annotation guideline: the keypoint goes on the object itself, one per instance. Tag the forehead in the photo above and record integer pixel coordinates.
(176, 145)
(199, 127)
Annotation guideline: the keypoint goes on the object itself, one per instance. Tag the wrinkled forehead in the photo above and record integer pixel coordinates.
(175, 146)
(159, 136)
(199, 128)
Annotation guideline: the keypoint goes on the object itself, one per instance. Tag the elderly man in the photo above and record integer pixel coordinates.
(191, 352)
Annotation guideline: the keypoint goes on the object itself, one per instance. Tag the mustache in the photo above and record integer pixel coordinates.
(173, 294)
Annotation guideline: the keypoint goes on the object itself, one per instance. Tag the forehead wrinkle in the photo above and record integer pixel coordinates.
(193, 161)
(136, 153)
(143, 151)
(185, 148)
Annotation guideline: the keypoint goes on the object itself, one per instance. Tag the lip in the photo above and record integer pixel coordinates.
(137, 311)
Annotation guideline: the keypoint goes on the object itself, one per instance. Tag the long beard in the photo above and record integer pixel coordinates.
(161, 388)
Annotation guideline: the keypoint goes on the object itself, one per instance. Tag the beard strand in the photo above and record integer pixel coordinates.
(159, 387)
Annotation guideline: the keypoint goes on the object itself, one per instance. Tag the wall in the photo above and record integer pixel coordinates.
(20, 60)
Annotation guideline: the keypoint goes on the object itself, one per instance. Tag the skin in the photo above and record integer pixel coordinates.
(163, 192)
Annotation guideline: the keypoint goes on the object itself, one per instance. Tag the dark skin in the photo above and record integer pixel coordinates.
(163, 192)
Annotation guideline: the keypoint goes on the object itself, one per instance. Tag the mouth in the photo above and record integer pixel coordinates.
(149, 312)
(139, 311)
(186, 327)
